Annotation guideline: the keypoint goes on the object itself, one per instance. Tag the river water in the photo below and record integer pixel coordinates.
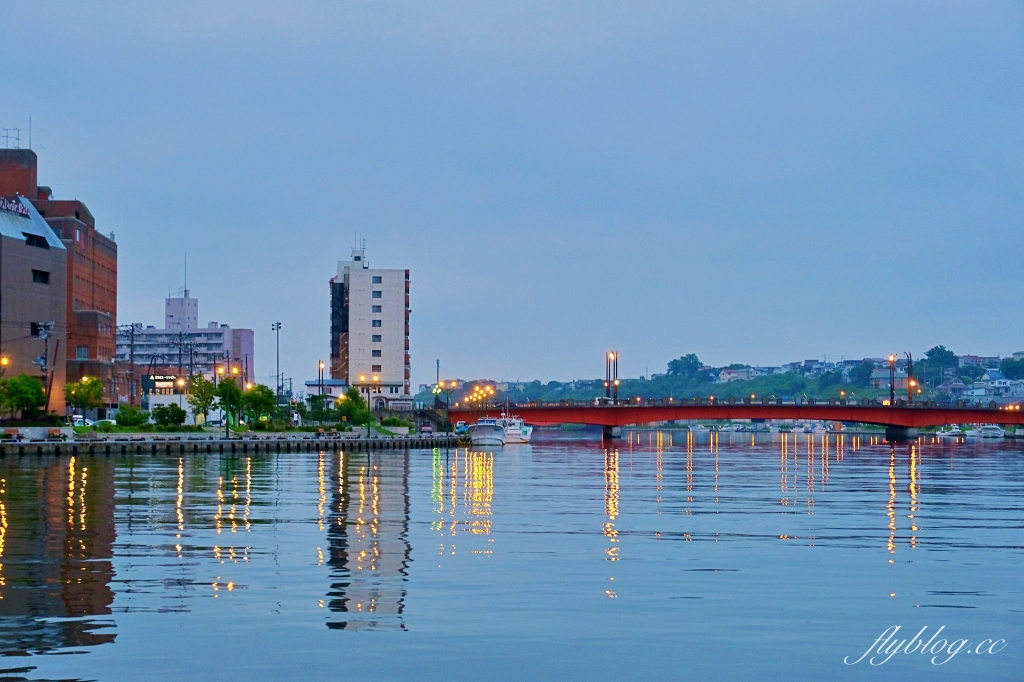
(667, 556)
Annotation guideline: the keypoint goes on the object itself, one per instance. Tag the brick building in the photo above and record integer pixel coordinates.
(91, 277)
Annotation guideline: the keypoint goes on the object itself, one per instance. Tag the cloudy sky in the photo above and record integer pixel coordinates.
(750, 181)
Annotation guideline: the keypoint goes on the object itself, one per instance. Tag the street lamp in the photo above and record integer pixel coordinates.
(910, 379)
(4, 361)
(321, 377)
(892, 379)
(276, 328)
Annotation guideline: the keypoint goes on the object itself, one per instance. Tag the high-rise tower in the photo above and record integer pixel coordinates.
(370, 331)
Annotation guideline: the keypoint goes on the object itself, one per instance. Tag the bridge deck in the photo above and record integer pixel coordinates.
(623, 415)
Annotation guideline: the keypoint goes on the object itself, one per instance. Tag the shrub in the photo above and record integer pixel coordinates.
(169, 415)
(130, 415)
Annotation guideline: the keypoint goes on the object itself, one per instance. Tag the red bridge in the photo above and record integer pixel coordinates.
(623, 415)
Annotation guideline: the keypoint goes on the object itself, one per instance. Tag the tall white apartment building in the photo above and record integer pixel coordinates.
(370, 332)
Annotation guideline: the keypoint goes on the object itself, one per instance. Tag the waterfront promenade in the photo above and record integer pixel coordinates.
(196, 443)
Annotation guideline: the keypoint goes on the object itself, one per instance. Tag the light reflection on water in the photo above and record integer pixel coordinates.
(674, 554)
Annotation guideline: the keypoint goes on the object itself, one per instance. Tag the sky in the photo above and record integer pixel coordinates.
(755, 182)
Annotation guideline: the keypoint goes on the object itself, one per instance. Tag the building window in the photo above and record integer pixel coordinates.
(376, 309)
(376, 368)
(36, 240)
(375, 338)
(378, 294)
(393, 389)
(377, 279)
(40, 277)
(375, 353)
(81, 352)
(376, 323)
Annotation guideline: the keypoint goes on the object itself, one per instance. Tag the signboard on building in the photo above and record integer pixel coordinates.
(13, 205)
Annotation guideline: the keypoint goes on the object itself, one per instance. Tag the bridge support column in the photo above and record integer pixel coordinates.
(895, 434)
(611, 432)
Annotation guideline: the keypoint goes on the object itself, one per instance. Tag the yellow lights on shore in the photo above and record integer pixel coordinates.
(322, 365)
(892, 357)
(248, 385)
(4, 361)
(376, 378)
(220, 370)
(181, 382)
(234, 370)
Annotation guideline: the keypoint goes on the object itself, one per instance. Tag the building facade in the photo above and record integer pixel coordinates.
(216, 349)
(91, 271)
(370, 331)
(33, 298)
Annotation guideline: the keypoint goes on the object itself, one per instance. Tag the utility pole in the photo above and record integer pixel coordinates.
(276, 328)
(130, 329)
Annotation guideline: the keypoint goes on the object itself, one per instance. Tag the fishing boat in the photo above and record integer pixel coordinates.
(986, 431)
(486, 431)
(952, 432)
(516, 430)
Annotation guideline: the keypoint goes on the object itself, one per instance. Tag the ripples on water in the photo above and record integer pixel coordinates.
(667, 556)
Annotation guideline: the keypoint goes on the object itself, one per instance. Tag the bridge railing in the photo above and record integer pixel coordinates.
(709, 401)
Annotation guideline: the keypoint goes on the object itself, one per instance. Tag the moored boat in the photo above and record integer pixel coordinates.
(486, 431)
(986, 431)
(516, 430)
(952, 432)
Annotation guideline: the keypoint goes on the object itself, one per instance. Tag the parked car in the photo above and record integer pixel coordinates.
(80, 420)
(112, 422)
(426, 427)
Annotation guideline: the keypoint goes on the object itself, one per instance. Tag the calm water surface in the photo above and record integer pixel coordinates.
(668, 556)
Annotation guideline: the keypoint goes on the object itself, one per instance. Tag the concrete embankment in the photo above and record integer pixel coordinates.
(204, 443)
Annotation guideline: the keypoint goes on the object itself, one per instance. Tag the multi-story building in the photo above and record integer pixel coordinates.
(33, 310)
(370, 332)
(91, 271)
(186, 347)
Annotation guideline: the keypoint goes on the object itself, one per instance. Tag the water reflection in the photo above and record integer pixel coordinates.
(56, 544)
(368, 546)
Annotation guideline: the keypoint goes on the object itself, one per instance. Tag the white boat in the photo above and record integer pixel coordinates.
(986, 431)
(486, 431)
(516, 430)
(698, 428)
(952, 432)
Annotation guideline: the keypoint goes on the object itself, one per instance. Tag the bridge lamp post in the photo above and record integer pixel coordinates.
(892, 379)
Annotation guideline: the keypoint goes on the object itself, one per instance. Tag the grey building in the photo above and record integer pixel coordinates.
(33, 297)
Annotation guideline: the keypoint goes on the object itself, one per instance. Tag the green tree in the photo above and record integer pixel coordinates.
(939, 358)
(861, 374)
(353, 408)
(830, 378)
(686, 366)
(25, 394)
(259, 401)
(130, 415)
(230, 399)
(84, 394)
(201, 394)
(169, 415)
(1012, 369)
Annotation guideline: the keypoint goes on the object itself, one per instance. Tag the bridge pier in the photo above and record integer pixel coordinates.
(610, 432)
(895, 434)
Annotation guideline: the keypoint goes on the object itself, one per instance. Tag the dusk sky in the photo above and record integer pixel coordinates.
(751, 182)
